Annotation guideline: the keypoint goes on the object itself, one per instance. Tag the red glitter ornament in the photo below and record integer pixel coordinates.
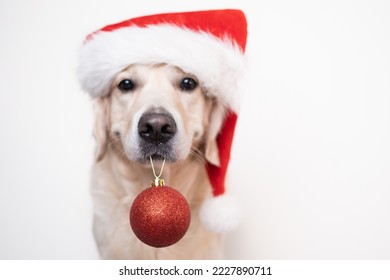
(160, 216)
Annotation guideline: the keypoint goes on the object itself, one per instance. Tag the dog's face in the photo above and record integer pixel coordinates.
(157, 111)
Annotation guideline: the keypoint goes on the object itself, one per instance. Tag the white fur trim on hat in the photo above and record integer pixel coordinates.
(217, 63)
(221, 213)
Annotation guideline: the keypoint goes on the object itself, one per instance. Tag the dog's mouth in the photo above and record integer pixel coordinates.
(158, 157)
(156, 152)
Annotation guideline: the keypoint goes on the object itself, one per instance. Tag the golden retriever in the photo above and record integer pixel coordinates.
(158, 111)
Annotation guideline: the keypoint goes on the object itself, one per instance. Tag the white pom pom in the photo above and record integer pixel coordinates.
(220, 214)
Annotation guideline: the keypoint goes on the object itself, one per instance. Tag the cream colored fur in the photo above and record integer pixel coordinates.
(119, 174)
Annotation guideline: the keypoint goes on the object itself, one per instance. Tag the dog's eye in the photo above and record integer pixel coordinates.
(188, 84)
(126, 85)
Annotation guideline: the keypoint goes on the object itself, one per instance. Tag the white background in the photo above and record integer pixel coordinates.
(311, 156)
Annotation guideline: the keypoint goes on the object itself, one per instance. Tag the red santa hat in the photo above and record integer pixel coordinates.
(208, 44)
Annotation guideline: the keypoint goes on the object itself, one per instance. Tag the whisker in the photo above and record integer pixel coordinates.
(197, 154)
(115, 143)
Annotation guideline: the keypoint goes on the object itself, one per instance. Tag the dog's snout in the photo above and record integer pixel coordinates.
(156, 127)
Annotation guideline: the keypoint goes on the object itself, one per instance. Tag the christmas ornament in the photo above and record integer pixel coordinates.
(160, 215)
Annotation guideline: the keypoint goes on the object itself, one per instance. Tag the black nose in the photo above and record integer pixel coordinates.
(156, 127)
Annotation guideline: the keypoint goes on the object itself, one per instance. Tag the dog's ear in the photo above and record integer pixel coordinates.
(102, 121)
(216, 117)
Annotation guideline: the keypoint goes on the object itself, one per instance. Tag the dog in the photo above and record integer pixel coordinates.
(162, 112)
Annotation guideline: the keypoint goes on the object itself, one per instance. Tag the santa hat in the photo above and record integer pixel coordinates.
(208, 44)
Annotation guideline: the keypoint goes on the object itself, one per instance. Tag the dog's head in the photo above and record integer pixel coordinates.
(158, 111)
